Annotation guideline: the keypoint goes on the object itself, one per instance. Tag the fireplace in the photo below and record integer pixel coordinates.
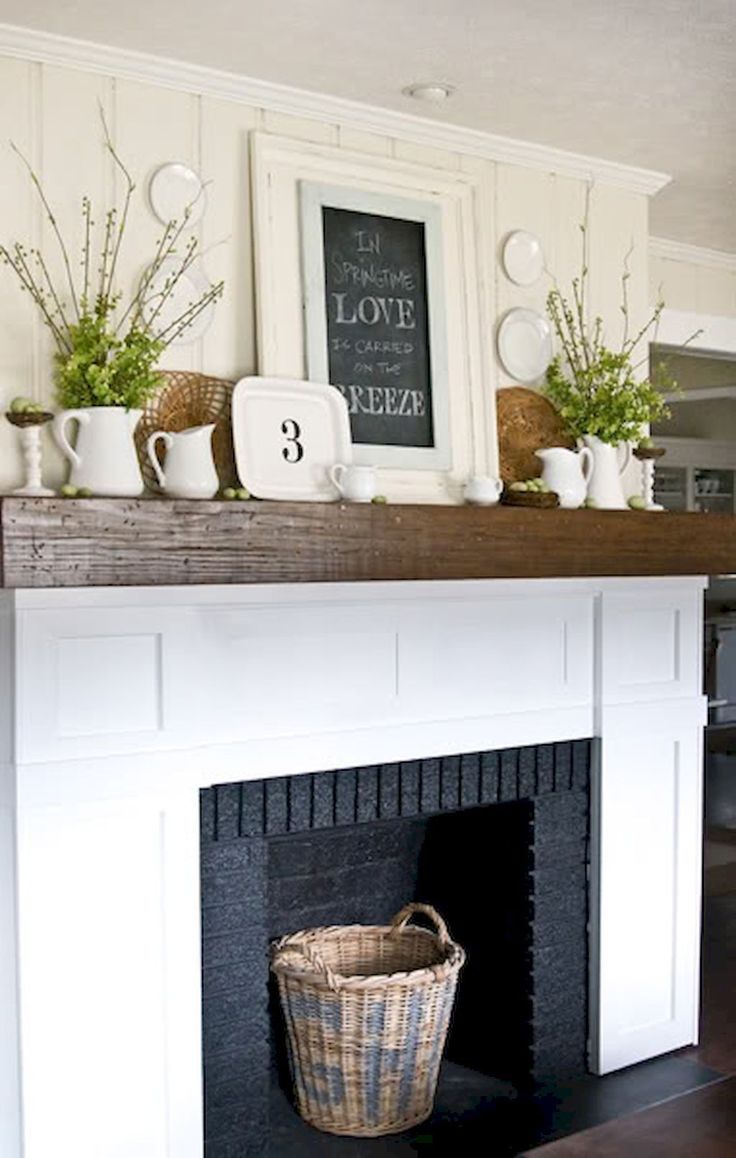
(155, 742)
(496, 841)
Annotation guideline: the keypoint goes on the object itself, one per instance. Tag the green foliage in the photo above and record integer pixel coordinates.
(597, 390)
(104, 369)
(105, 354)
(604, 399)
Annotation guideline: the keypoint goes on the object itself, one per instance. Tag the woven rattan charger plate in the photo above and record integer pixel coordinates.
(184, 400)
(527, 421)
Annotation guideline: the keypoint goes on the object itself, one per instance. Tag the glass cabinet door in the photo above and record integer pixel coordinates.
(670, 487)
(713, 491)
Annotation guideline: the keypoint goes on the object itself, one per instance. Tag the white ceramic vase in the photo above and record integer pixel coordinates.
(104, 458)
(609, 463)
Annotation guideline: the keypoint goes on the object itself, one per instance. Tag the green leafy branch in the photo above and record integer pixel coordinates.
(106, 352)
(596, 389)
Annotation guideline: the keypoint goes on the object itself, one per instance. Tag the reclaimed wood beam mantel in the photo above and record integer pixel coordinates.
(149, 542)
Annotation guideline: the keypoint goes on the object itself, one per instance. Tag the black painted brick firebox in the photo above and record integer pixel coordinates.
(354, 846)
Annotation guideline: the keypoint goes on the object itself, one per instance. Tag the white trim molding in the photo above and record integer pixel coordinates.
(668, 250)
(64, 51)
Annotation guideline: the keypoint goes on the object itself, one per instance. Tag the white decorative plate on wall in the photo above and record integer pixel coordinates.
(524, 344)
(287, 434)
(523, 257)
(173, 188)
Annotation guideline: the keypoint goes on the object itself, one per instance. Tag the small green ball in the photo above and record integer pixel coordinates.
(242, 493)
(519, 486)
(379, 499)
(20, 405)
(229, 493)
(84, 493)
(638, 503)
(590, 504)
(68, 491)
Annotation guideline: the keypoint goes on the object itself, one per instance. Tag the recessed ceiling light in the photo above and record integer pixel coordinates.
(433, 92)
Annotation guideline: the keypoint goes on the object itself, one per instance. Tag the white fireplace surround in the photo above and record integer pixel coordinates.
(118, 705)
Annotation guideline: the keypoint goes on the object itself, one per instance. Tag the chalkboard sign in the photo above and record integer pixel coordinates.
(374, 315)
(375, 295)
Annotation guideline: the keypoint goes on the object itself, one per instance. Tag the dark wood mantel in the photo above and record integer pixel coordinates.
(149, 542)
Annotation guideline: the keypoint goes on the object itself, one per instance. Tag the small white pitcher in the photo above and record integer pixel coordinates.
(566, 472)
(357, 484)
(189, 468)
(609, 463)
(104, 457)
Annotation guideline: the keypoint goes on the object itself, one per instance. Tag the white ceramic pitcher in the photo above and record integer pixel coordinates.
(104, 457)
(609, 463)
(567, 472)
(189, 470)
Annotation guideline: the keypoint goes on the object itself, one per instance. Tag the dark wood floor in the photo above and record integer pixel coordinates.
(701, 1124)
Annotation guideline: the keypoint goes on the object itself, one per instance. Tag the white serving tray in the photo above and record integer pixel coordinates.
(287, 434)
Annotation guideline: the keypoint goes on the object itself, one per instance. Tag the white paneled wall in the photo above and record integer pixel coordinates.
(698, 288)
(51, 113)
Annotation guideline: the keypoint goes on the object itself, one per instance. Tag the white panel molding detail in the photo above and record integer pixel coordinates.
(646, 883)
(48, 48)
(106, 861)
(667, 250)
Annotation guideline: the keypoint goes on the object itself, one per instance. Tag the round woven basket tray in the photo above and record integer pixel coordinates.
(367, 1008)
(186, 399)
(527, 421)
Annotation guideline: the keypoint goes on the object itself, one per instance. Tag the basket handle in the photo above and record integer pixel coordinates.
(301, 953)
(402, 918)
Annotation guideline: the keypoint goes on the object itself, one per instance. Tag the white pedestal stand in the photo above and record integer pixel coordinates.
(30, 442)
(647, 457)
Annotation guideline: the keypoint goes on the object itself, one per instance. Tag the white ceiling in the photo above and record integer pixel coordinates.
(650, 83)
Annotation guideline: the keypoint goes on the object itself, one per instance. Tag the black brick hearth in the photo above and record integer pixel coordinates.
(354, 846)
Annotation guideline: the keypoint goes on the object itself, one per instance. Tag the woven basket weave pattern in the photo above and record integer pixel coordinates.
(367, 1008)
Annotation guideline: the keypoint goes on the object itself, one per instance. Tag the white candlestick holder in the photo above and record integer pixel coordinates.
(29, 425)
(647, 456)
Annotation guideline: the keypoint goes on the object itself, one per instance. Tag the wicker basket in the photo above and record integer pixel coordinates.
(367, 1009)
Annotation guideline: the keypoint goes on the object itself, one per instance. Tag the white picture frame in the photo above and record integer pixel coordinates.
(458, 217)
(313, 199)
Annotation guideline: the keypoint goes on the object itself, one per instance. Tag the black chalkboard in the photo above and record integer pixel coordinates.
(378, 325)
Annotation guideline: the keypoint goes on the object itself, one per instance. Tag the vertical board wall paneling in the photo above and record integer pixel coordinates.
(73, 164)
(566, 260)
(524, 200)
(229, 345)
(154, 125)
(486, 447)
(52, 113)
(618, 237)
(17, 327)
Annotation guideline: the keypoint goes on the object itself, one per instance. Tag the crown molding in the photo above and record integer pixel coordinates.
(48, 48)
(692, 254)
